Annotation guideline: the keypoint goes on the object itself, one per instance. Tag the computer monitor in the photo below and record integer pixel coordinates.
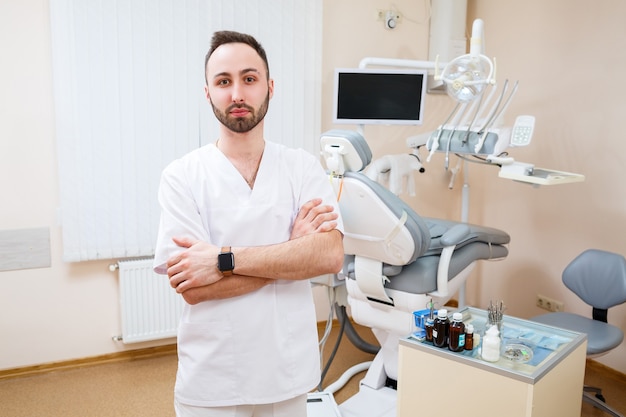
(379, 96)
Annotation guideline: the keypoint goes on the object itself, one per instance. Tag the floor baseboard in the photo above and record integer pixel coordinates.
(127, 355)
(600, 367)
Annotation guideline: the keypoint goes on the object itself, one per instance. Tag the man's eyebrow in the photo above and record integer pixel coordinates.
(247, 70)
(242, 72)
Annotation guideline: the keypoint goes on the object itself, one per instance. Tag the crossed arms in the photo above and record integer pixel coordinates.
(315, 248)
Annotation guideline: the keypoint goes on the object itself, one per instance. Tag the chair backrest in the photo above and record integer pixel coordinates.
(598, 277)
(377, 223)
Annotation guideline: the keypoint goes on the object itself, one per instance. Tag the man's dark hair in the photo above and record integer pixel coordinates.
(228, 36)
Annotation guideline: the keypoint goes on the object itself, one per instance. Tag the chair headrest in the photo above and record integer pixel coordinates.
(345, 150)
(598, 277)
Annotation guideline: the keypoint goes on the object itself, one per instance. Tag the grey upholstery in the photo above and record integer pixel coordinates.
(601, 337)
(420, 277)
(419, 274)
(415, 224)
(599, 279)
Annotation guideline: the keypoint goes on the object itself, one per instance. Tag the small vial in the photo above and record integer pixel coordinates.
(469, 337)
(428, 326)
(441, 328)
(456, 338)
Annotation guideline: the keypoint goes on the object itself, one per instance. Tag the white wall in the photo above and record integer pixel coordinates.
(70, 311)
(65, 311)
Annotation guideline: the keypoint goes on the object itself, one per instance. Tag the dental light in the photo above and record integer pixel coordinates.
(467, 76)
(474, 128)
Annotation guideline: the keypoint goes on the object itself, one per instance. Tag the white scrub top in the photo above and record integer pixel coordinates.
(260, 347)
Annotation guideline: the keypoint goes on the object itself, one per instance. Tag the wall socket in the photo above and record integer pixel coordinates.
(390, 17)
(549, 304)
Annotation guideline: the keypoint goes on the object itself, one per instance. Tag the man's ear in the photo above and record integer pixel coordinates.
(206, 93)
(270, 86)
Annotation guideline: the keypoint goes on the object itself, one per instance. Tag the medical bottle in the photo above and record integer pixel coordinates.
(456, 338)
(491, 345)
(469, 337)
(441, 328)
(428, 326)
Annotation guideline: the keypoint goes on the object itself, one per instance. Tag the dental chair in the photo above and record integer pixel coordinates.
(395, 263)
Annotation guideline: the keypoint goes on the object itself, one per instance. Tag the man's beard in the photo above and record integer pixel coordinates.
(242, 124)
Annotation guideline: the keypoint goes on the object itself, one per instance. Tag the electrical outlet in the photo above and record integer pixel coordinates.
(384, 15)
(549, 304)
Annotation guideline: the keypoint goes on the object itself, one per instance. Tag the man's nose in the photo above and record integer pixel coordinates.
(237, 96)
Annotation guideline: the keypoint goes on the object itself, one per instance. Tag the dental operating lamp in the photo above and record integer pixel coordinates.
(474, 130)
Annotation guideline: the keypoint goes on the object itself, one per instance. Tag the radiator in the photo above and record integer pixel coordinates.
(150, 308)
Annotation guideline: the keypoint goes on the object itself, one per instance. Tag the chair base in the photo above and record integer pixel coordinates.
(321, 404)
(375, 398)
(593, 396)
(370, 402)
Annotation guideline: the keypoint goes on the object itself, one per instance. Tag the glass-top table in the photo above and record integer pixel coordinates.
(549, 346)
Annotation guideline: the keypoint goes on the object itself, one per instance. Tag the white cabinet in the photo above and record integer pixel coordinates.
(437, 382)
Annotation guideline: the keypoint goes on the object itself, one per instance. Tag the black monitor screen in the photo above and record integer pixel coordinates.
(366, 96)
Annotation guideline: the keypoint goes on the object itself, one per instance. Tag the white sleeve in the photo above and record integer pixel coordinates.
(180, 216)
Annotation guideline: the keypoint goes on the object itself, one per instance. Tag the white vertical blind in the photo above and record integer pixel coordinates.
(128, 88)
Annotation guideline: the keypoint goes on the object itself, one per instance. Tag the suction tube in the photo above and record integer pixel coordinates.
(351, 333)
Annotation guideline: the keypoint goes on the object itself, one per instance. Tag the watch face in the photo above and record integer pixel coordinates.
(226, 261)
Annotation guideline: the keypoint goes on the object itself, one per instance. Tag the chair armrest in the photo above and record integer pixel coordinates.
(452, 237)
(455, 235)
(443, 269)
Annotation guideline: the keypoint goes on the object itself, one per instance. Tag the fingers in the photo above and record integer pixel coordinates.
(314, 217)
(307, 207)
(327, 226)
(184, 242)
(181, 279)
(176, 265)
(194, 266)
(324, 222)
(313, 209)
(176, 281)
(176, 274)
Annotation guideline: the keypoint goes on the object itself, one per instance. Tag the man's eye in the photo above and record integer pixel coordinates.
(223, 82)
(250, 79)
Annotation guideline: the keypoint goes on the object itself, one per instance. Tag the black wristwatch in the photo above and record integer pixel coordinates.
(226, 261)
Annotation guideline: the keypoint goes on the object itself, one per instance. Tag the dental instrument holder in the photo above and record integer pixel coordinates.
(462, 141)
(495, 313)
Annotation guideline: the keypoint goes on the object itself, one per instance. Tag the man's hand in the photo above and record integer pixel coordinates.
(313, 217)
(196, 266)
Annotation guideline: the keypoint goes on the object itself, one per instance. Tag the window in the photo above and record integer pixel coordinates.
(128, 87)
